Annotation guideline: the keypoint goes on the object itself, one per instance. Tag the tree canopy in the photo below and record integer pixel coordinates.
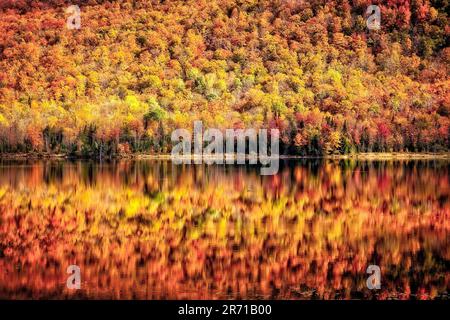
(136, 70)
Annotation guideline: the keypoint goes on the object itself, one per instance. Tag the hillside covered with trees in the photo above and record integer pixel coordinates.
(137, 70)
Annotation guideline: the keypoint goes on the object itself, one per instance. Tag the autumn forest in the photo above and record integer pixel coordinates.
(137, 70)
(362, 184)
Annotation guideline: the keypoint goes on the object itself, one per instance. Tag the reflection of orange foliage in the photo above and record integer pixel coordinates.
(153, 230)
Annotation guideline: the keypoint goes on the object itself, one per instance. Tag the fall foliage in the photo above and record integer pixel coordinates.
(136, 70)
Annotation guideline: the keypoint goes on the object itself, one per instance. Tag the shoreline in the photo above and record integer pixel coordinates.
(356, 156)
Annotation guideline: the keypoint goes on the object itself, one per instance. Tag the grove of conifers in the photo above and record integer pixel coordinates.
(137, 70)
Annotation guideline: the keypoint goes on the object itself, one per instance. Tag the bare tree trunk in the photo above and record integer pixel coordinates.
(101, 150)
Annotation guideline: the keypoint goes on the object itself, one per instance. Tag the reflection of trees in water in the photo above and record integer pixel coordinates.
(150, 229)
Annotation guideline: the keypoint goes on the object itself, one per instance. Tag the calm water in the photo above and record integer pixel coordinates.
(153, 230)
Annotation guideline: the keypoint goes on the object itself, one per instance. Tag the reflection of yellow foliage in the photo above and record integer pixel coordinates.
(222, 228)
(335, 232)
(268, 235)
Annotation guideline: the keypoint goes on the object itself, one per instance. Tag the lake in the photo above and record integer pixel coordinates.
(154, 230)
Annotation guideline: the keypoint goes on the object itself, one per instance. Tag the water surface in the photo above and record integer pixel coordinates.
(154, 230)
